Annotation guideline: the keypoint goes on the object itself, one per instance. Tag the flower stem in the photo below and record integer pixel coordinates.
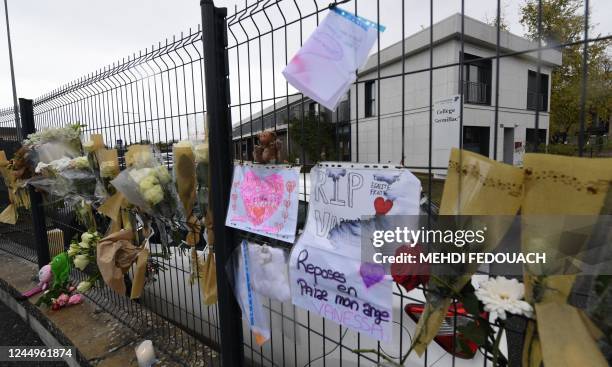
(496, 344)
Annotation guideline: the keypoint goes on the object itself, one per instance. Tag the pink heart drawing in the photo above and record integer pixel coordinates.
(261, 196)
(290, 186)
(371, 273)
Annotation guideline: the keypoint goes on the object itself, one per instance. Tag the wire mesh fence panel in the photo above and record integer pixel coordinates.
(153, 97)
(387, 116)
(17, 239)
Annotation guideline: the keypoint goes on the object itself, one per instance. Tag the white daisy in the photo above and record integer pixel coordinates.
(500, 295)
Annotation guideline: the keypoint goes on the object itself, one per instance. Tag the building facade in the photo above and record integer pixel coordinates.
(385, 116)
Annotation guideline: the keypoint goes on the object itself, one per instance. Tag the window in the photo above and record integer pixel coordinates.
(313, 109)
(476, 139)
(476, 80)
(532, 82)
(344, 141)
(370, 98)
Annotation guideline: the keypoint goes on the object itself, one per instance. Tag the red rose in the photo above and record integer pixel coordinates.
(410, 275)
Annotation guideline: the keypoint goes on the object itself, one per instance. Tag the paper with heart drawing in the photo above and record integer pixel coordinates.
(326, 273)
(264, 200)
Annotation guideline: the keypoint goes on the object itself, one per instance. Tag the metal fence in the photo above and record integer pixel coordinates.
(231, 72)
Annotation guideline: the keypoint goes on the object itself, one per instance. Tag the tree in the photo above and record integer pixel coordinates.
(315, 136)
(502, 20)
(562, 23)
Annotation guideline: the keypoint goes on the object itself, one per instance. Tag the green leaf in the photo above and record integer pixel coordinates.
(471, 304)
(474, 332)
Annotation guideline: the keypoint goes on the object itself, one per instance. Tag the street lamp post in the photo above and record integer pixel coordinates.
(10, 52)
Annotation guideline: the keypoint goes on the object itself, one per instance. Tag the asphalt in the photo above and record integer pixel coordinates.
(15, 332)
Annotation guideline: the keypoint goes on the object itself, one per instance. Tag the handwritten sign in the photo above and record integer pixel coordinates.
(326, 273)
(264, 200)
(445, 132)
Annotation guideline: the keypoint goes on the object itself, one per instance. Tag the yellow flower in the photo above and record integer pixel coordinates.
(148, 182)
(81, 261)
(154, 195)
(163, 175)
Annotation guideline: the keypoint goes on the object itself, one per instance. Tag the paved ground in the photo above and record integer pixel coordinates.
(114, 342)
(14, 331)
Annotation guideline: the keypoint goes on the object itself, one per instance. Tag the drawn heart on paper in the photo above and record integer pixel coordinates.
(371, 273)
(261, 196)
(290, 186)
(382, 206)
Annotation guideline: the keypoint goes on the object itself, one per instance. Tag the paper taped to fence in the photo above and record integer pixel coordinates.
(324, 68)
(326, 272)
(264, 200)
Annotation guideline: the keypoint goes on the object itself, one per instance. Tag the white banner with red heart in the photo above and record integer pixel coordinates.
(326, 272)
(264, 200)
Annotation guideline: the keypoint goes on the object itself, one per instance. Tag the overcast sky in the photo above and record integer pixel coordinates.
(56, 41)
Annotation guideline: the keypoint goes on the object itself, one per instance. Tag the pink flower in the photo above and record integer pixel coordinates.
(71, 289)
(75, 299)
(63, 299)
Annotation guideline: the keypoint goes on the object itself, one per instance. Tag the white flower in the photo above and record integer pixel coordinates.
(60, 164)
(81, 261)
(154, 195)
(79, 163)
(84, 286)
(108, 169)
(147, 183)
(500, 295)
(41, 167)
(163, 175)
(88, 146)
(139, 174)
(84, 244)
(87, 237)
(74, 250)
(201, 153)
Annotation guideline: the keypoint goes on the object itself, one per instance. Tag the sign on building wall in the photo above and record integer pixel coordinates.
(327, 274)
(446, 114)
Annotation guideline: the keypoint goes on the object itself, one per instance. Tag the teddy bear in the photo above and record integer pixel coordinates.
(269, 148)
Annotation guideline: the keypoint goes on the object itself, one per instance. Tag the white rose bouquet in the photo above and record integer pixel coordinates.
(83, 254)
(147, 184)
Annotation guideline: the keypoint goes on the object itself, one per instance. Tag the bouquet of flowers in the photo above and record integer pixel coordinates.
(83, 253)
(60, 169)
(147, 184)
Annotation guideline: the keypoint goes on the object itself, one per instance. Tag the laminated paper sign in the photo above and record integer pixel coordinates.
(264, 200)
(326, 272)
(446, 118)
